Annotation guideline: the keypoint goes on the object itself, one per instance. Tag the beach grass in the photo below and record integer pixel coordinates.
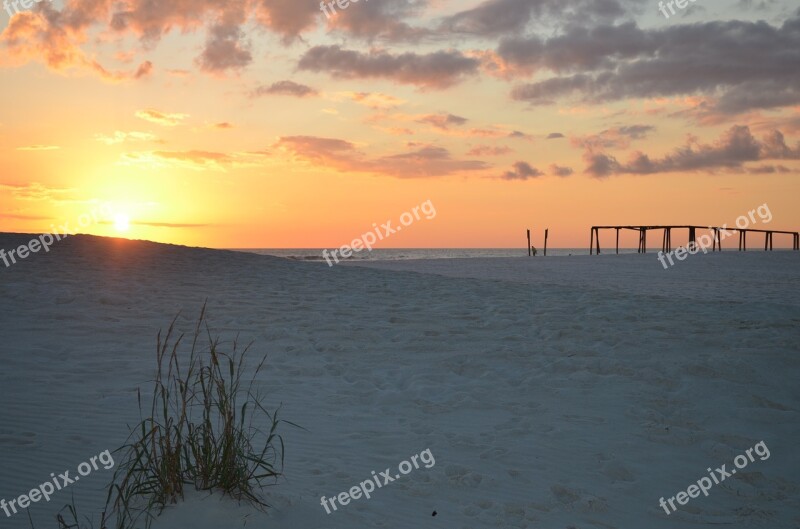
(205, 429)
(202, 431)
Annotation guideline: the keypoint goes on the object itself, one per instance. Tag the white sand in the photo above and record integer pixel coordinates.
(554, 393)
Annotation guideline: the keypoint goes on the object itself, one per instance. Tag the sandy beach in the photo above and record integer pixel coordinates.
(400, 264)
(561, 392)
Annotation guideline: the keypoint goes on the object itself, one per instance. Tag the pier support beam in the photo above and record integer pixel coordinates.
(642, 240)
(597, 240)
(546, 232)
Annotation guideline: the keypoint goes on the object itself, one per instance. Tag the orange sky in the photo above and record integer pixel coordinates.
(262, 124)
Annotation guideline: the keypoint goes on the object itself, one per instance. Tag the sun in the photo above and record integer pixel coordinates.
(122, 222)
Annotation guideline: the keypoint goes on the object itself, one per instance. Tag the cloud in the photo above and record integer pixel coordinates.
(55, 37)
(560, 171)
(769, 169)
(120, 137)
(444, 124)
(737, 65)
(731, 151)
(225, 47)
(424, 162)
(286, 88)
(580, 48)
(195, 160)
(315, 148)
(17, 216)
(39, 148)
(436, 70)
(144, 70)
(35, 191)
(44, 37)
(161, 118)
(375, 100)
(489, 150)
(522, 171)
(555, 136)
(636, 132)
(520, 135)
(618, 137)
(288, 18)
(443, 121)
(495, 18)
(384, 20)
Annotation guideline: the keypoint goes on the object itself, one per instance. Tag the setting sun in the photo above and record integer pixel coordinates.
(122, 222)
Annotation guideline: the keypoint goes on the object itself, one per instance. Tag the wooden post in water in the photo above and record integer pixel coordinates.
(591, 241)
(529, 243)
(545, 242)
(597, 241)
(644, 240)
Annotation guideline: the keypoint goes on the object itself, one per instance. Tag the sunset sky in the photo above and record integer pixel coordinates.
(241, 123)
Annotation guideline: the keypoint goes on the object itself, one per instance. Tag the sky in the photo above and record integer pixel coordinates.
(271, 124)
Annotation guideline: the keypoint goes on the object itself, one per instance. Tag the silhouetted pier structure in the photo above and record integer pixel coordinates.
(666, 241)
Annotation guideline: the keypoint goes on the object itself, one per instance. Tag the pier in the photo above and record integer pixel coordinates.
(666, 240)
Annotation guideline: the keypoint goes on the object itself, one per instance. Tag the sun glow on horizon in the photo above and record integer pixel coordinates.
(122, 222)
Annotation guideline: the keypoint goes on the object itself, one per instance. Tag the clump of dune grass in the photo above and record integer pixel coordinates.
(204, 429)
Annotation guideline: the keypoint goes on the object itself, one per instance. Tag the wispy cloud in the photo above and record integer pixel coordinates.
(421, 162)
(35, 191)
(436, 70)
(121, 137)
(196, 160)
(522, 171)
(161, 118)
(489, 150)
(39, 148)
(285, 88)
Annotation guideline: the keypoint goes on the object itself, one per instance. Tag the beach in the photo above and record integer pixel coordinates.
(559, 392)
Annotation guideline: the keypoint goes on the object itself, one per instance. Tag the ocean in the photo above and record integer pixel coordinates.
(400, 254)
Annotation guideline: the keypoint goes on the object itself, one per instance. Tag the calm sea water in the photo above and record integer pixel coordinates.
(395, 254)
